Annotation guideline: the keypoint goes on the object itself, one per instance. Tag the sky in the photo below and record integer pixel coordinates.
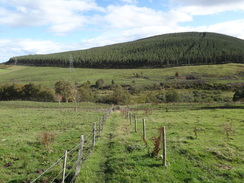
(50, 26)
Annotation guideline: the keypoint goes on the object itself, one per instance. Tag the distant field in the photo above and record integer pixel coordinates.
(225, 73)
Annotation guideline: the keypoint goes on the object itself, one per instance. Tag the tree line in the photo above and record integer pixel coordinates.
(166, 50)
(65, 91)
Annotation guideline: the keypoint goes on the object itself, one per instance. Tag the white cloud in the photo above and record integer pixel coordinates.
(11, 48)
(233, 28)
(131, 16)
(130, 1)
(207, 2)
(60, 16)
(207, 7)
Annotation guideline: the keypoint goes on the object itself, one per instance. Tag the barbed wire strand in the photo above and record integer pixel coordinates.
(48, 169)
(73, 149)
(89, 150)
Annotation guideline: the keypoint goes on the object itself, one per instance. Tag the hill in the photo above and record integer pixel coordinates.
(191, 48)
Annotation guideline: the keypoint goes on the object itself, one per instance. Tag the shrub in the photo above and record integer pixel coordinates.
(161, 97)
(120, 95)
(172, 96)
(65, 89)
(46, 139)
(207, 96)
(45, 94)
(99, 83)
(38, 92)
(11, 92)
(85, 94)
(238, 95)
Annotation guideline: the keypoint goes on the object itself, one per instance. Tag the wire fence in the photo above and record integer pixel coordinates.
(67, 167)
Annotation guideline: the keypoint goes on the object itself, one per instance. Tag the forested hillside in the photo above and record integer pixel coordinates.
(191, 48)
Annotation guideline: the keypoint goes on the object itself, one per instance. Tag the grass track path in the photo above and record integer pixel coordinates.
(98, 168)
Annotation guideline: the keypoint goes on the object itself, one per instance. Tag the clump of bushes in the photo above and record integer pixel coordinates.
(36, 92)
(192, 96)
(119, 95)
(85, 93)
(168, 96)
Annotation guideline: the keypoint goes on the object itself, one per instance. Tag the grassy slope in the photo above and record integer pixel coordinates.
(122, 156)
(49, 75)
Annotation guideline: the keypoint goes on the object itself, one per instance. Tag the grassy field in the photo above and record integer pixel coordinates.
(22, 122)
(212, 156)
(120, 154)
(50, 75)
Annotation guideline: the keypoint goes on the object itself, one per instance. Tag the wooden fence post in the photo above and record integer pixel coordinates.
(130, 118)
(164, 145)
(128, 115)
(144, 128)
(135, 123)
(94, 135)
(104, 119)
(64, 165)
(100, 127)
(79, 155)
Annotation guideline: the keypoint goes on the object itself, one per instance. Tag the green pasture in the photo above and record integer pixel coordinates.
(215, 154)
(225, 73)
(211, 156)
(22, 122)
(120, 154)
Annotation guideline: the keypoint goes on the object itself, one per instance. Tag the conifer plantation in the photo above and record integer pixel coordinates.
(176, 49)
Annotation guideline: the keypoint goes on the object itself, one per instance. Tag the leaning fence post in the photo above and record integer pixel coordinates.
(164, 145)
(135, 123)
(94, 135)
(144, 128)
(79, 155)
(64, 165)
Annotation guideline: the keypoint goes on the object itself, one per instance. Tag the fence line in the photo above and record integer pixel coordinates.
(125, 112)
(71, 161)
